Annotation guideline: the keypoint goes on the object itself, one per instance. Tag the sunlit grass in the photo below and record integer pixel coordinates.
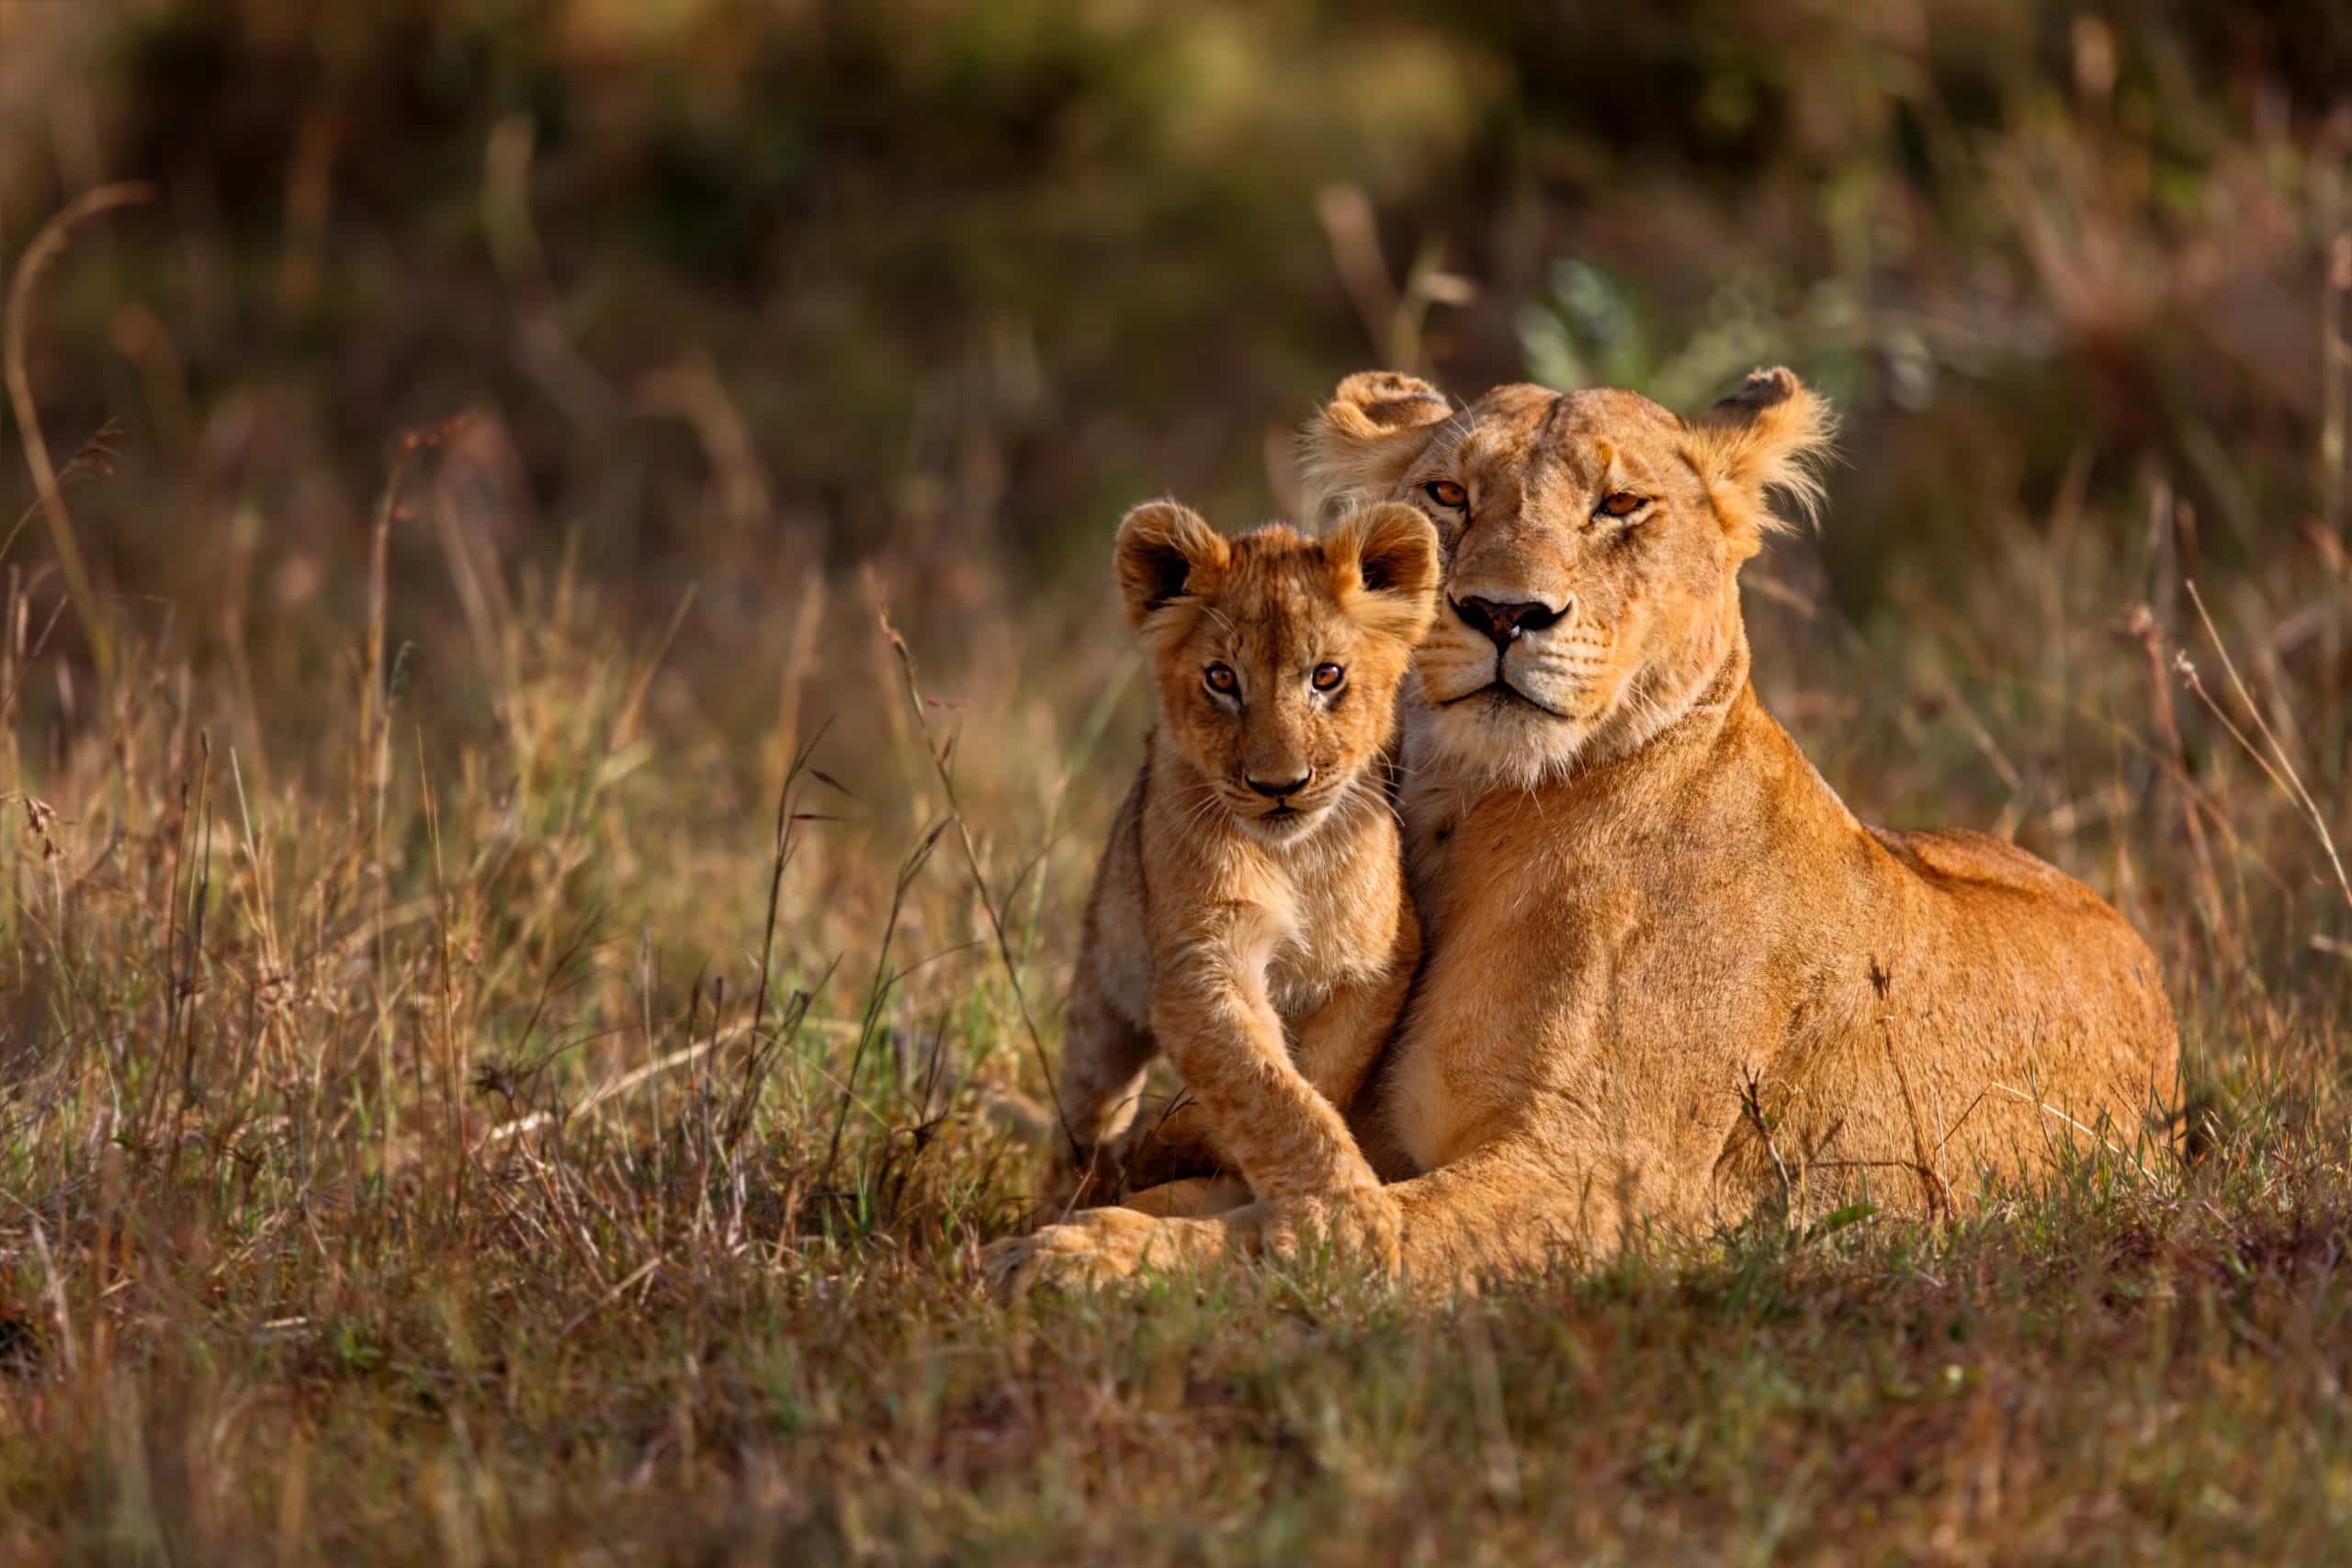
(521, 1000)
(410, 1158)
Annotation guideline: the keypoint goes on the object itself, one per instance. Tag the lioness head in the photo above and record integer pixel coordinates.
(1278, 657)
(1592, 543)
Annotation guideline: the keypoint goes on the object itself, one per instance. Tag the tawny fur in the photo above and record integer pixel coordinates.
(1670, 976)
(1264, 942)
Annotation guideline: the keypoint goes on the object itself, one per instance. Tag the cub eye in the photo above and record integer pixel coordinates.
(1446, 493)
(1327, 677)
(1221, 679)
(1622, 504)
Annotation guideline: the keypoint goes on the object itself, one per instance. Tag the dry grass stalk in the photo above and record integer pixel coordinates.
(941, 751)
(47, 246)
(2284, 774)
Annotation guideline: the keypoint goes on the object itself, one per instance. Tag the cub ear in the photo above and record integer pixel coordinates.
(1166, 552)
(1773, 434)
(1383, 568)
(1370, 433)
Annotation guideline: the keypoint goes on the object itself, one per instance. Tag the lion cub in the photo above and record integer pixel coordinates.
(1249, 914)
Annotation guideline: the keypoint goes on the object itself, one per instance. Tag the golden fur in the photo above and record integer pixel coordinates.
(1260, 935)
(1670, 977)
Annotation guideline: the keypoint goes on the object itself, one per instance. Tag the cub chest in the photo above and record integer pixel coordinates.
(1339, 930)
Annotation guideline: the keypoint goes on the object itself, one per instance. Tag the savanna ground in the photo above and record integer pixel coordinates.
(519, 987)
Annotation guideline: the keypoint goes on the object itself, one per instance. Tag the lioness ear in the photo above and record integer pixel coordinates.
(1360, 445)
(1383, 568)
(1773, 434)
(1165, 552)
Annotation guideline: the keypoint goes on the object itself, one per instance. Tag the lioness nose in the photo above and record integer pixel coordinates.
(1276, 791)
(1505, 623)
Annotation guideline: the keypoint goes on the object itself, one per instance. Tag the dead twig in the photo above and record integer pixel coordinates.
(1751, 1106)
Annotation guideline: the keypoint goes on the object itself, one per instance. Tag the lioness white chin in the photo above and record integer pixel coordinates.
(1670, 976)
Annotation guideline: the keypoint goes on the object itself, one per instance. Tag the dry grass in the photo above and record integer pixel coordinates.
(411, 1156)
(514, 995)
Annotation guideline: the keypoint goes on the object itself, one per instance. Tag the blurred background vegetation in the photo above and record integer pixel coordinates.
(494, 442)
(738, 292)
(749, 297)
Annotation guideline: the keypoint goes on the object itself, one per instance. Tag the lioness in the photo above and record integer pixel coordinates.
(1248, 915)
(1669, 974)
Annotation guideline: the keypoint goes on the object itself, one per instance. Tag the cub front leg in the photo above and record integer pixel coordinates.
(1209, 1011)
(1334, 1048)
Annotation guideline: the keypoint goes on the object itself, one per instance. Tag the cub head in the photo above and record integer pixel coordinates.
(1276, 656)
(1591, 544)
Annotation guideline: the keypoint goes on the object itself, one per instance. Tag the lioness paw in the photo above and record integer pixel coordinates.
(1091, 1250)
(1361, 1228)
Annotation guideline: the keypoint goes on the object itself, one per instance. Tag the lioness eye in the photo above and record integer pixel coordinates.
(1446, 493)
(1622, 504)
(1221, 678)
(1327, 677)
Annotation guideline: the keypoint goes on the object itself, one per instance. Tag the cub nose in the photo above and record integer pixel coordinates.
(1505, 623)
(1276, 791)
